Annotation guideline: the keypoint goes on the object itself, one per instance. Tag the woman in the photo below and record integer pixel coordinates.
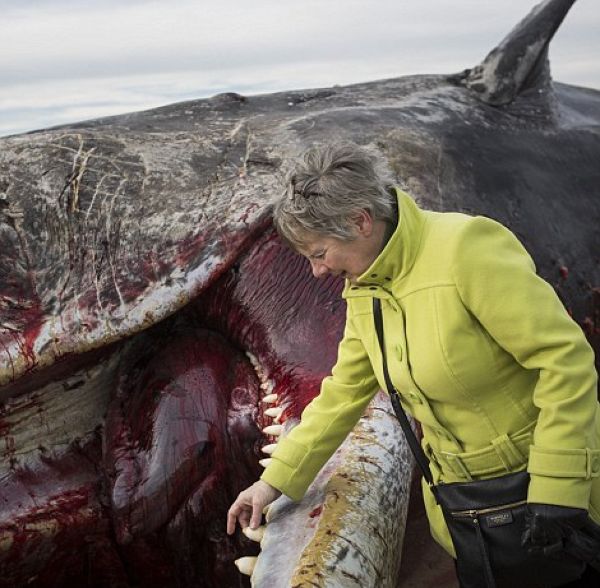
(482, 351)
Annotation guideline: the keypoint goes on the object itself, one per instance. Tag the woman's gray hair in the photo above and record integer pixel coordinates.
(329, 184)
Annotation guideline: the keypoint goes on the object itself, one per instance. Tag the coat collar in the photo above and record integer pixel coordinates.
(399, 254)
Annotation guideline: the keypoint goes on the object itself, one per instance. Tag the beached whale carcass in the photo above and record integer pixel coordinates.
(142, 297)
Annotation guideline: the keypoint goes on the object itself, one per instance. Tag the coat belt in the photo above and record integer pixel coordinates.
(505, 453)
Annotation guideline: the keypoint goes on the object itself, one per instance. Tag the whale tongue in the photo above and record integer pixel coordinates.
(520, 61)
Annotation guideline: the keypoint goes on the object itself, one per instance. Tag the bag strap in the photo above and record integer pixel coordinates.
(411, 438)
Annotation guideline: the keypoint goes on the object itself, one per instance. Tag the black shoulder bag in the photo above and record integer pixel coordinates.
(486, 518)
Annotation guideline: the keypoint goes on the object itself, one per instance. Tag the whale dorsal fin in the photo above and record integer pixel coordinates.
(520, 61)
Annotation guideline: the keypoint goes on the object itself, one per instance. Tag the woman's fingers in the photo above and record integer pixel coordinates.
(238, 512)
(231, 519)
(248, 506)
(257, 508)
(230, 523)
(244, 518)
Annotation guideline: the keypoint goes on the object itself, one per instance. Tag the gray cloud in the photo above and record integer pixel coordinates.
(71, 59)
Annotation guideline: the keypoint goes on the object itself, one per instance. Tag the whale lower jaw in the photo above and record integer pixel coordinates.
(349, 527)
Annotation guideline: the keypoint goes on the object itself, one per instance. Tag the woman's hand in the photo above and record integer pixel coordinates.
(548, 525)
(248, 506)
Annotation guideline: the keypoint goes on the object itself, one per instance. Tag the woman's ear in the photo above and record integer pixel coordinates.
(362, 222)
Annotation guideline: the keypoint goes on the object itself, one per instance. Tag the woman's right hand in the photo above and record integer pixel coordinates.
(248, 506)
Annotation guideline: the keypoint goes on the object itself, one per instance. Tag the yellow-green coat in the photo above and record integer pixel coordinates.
(484, 356)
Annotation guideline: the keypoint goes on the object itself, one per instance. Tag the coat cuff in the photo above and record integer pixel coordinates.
(278, 475)
(281, 476)
(562, 476)
(283, 472)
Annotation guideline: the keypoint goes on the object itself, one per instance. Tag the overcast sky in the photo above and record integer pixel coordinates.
(69, 60)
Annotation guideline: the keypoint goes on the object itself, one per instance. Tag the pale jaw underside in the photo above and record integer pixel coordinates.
(349, 527)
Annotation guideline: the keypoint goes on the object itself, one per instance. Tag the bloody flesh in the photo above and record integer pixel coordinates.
(181, 435)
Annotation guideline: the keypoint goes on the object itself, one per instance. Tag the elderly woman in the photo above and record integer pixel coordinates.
(479, 347)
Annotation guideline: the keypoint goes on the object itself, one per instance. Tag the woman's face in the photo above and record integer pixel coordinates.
(346, 259)
(328, 255)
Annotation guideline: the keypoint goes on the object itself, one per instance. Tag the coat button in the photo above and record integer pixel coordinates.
(416, 398)
(399, 352)
(596, 465)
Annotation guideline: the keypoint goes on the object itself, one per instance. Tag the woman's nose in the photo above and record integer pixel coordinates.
(319, 269)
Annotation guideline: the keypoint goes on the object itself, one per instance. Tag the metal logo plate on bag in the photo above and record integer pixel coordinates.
(499, 519)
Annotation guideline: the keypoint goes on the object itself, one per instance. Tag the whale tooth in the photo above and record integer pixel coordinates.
(268, 449)
(266, 511)
(269, 398)
(274, 430)
(274, 412)
(265, 462)
(255, 534)
(267, 387)
(246, 564)
(252, 358)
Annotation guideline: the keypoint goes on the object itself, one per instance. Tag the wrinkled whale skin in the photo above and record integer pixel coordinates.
(82, 265)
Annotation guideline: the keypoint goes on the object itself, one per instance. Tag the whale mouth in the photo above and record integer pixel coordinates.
(123, 470)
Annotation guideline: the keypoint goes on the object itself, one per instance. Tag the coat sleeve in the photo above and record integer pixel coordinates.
(326, 421)
(496, 280)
